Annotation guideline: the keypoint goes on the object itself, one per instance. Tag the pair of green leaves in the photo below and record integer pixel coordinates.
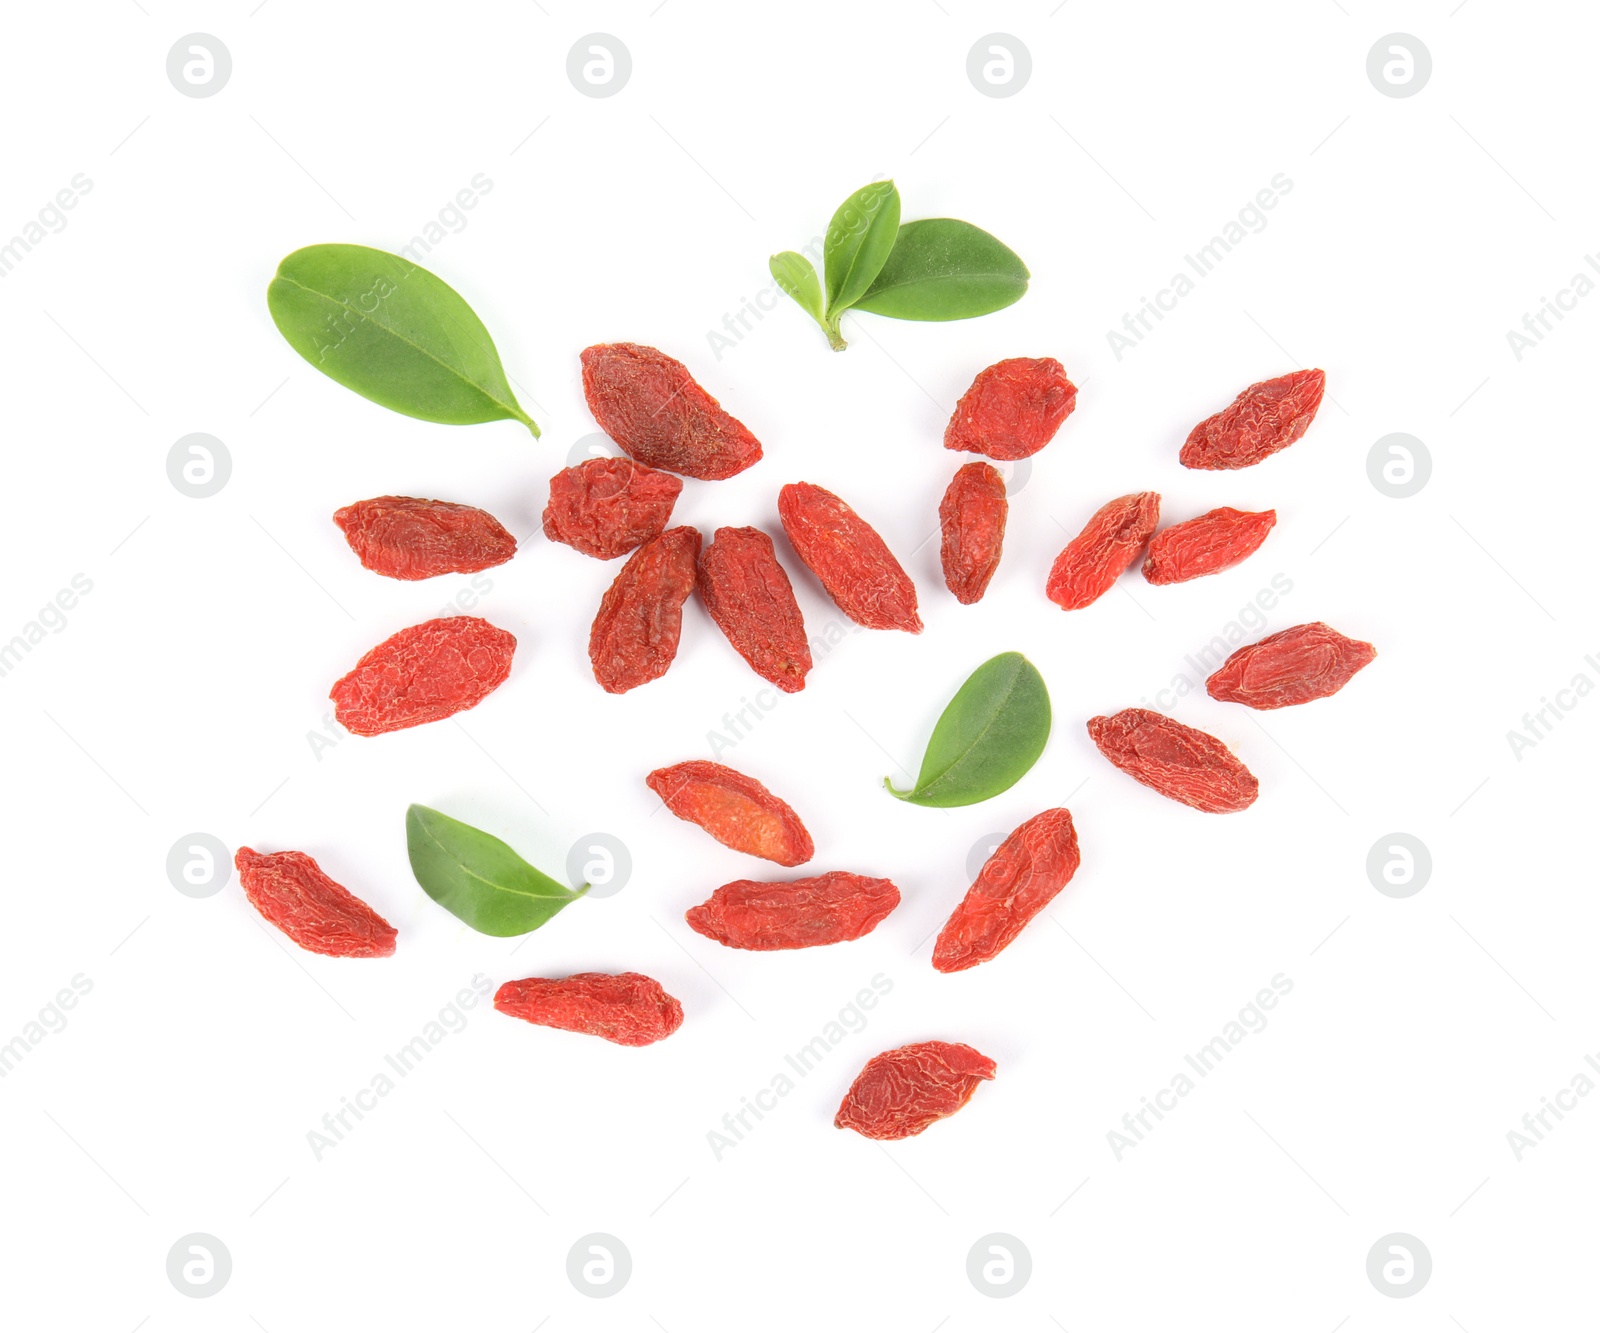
(988, 736)
(393, 332)
(931, 269)
(479, 878)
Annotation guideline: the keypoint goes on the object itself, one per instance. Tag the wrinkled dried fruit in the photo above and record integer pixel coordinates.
(605, 507)
(1263, 419)
(635, 633)
(1206, 545)
(1108, 544)
(734, 809)
(972, 526)
(750, 597)
(1177, 761)
(626, 1007)
(1293, 666)
(290, 890)
(407, 538)
(422, 674)
(1013, 408)
(902, 1092)
(825, 909)
(1016, 883)
(651, 406)
(849, 559)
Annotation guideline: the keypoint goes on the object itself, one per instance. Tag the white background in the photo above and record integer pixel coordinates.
(181, 694)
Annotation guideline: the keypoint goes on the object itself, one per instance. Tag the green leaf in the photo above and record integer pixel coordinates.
(795, 275)
(479, 878)
(393, 332)
(941, 268)
(859, 240)
(988, 736)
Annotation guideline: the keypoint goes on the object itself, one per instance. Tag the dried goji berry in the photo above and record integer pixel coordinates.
(1178, 761)
(605, 507)
(1109, 543)
(635, 633)
(1013, 408)
(422, 674)
(849, 559)
(651, 406)
(750, 597)
(734, 809)
(1016, 883)
(1206, 545)
(825, 909)
(625, 1007)
(407, 538)
(902, 1092)
(972, 527)
(1293, 666)
(292, 892)
(1263, 419)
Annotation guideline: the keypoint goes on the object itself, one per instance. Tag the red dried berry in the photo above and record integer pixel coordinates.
(605, 507)
(635, 633)
(750, 597)
(972, 527)
(626, 1007)
(290, 890)
(1016, 883)
(423, 674)
(1209, 544)
(406, 538)
(651, 406)
(734, 809)
(902, 1092)
(1013, 408)
(1293, 666)
(1178, 761)
(1263, 419)
(825, 909)
(1108, 544)
(849, 559)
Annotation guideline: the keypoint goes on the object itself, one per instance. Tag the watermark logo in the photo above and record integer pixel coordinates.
(1399, 865)
(50, 220)
(982, 850)
(199, 865)
(1399, 1264)
(51, 618)
(1399, 466)
(596, 444)
(599, 65)
(52, 1019)
(199, 65)
(1399, 65)
(1538, 724)
(999, 65)
(602, 861)
(999, 1264)
(199, 466)
(449, 220)
(199, 1265)
(1536, 1124)
(599, 1265)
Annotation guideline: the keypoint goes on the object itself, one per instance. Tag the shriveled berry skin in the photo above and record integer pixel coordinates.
(1013, 408)
(606, 507)
(734, 809)
(627, 1008)
(1190, 766)
(825, 909)
(290, 890)
(752, 601)
(635, 633)
(1215, 541)
(422, 674)
(972, 529)
(902, 1092)
(651, 406)
(402, 537)
(1016, 883)
(1111, 541)
(849, 559)
(1293, 666)
(1265, 418)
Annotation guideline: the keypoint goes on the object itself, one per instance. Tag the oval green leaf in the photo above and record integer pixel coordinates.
(479, 878)
(393, 332)
(942, 268)
(794, 274)
(859, 240)
(988, 736)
